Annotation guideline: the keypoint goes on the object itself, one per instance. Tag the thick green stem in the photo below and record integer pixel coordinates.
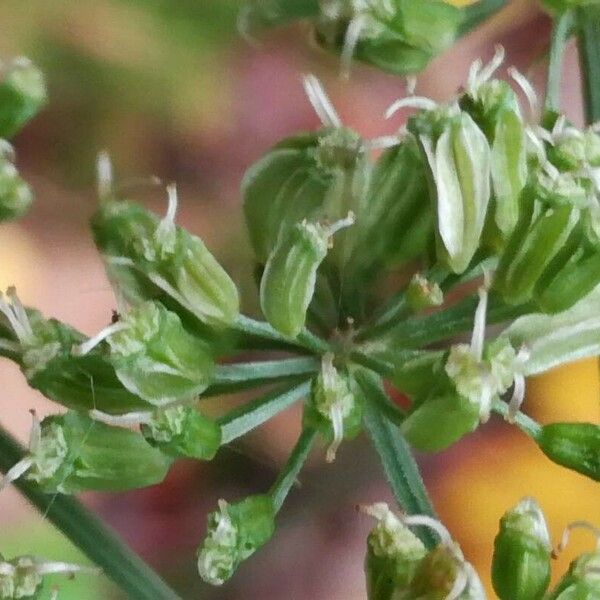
(588, 27)
(89, 534)
(263, 331)
(249, 416)
(397, 460)
(561, 32)
(526, 424)
(289, 474)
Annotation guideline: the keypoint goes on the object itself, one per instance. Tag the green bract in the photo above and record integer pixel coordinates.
(145, 256)
(393, 554)
(458, 155)
(156, 358)
(43, 350)
(22, 94)
(15, 195)
(521, 563)
(573, 445)
(72, 453)
(235, 532)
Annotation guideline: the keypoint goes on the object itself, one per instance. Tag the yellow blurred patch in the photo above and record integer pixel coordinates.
(19, 254)
(461, 2)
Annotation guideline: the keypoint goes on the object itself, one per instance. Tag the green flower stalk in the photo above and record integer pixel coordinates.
(178, 431)
(22, 94)
(393, 554)
(42, 348)
(23, 576)
(459, 158)
(154, 357)
(15, 195)
(235, 532)
(333, 408)
(145, 257)
(72, 453)
(288, 282)
(522, 553)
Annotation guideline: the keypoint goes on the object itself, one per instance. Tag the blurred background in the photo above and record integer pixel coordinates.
(169, 89)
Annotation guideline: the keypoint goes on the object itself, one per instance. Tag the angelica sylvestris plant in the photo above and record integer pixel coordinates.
(490, 188)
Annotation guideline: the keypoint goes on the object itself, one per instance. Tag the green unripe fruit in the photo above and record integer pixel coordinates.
(15, 195)
(521, 563)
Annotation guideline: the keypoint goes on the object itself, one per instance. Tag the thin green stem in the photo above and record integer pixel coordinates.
(289, 474)
(261, 330)
(588, 27)
(526, 424)
(479, 12)
(370, 362)
(397, 460)
(561, 32)
(242, 376)
(253, 414)
(89, 534)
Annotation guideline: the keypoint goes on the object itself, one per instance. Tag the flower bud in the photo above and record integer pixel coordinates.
(393, 554)
(42, 348)
(159, 255)
(521, 563)
(22, 94)
(422, 294)
(153, 355)
(458, 155)
(400, 37)
(15, 195)
(573, 445)
(288, 282)
(23, 576)
(72, 453)
(235, 532)
(178, 431)
(333, 407)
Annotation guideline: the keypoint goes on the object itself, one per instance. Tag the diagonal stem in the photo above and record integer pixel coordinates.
(588, 25)
(561, 32)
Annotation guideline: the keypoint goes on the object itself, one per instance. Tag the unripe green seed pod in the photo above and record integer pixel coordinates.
(183, 431)
(72, 453)
(333, 407)
(458, 155)
(400, 36)
(22, 95)
(43, 350)
(393, 554)
(22, 577)
(521, 563)
(235, 532)
(166, 257)
(422, 294)
(15, 195)
(573, 445)
(413, 374)
(153, 355)
(288, 282)
(582, 580)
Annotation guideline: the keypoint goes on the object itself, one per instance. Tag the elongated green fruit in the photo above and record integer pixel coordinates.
(573, 445)
(288, 282)
(22, 94)
(72, 453)
(15, 195)
(522, 553)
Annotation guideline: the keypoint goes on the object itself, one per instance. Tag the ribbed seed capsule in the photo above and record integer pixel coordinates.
(178, 431)
(23, 576)
(15, 195)
(22, 94)
(333, 408)
(393, 554)
(153, 355)
(288, 282)
(458, 155)
(521, 563)
(235, 532)
(146, 255)
(573, 445)
(72, 453)
(397, 36)
(42, 348)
